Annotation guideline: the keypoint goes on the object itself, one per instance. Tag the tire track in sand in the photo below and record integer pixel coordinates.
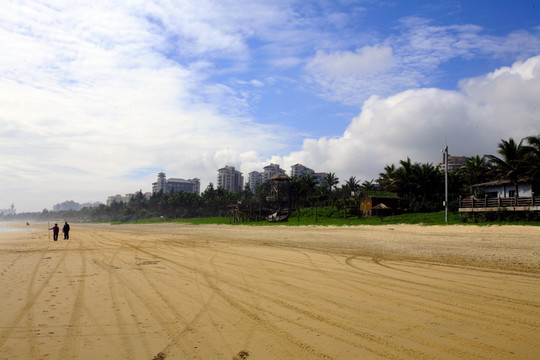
(443, 302)
(305, 348)
(443, 308)
(379, 345)
(472, 288)
(107, 264)
(69, 348)
(33, 293)
(188, 325)
(278, 333)
(143, 296)
(372, 343)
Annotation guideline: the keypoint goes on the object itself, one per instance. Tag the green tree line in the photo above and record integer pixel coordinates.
(418, 186)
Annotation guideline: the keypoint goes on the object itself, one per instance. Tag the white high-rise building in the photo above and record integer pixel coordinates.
(230, 179)
(270, 171)
(298, 170)
(255, 179)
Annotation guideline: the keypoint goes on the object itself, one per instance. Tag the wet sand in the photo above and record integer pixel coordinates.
(174, 291)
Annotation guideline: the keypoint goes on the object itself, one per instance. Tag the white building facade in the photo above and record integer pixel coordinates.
(175, 185)
(255, 179)
(230, 179)
(506, 189)
(270, 171)
(298, 170)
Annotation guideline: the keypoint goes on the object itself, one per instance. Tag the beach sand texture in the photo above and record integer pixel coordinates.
(174, 291)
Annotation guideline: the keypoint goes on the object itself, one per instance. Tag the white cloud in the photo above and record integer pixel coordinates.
(507, 99)
(349, 77)
(417, 123)
(87, 101)
(411, 58)
(366, 60)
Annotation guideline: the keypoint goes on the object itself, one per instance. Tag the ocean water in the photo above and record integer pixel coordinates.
(5, 228)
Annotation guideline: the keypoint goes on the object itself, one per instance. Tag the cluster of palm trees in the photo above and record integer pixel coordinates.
(308, 191)
(421, 186)
(517, 161)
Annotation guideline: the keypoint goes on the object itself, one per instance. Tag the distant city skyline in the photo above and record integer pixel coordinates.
(96, 100)
(228, 176)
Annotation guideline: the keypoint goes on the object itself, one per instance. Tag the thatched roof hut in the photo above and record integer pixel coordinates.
(376, 204)
(279, 188)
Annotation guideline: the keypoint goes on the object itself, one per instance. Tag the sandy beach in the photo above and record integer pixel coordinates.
(173, 291)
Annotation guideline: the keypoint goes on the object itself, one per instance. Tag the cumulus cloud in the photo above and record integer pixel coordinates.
(417, 123)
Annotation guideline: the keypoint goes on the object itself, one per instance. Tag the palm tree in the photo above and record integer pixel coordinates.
(352, 184)
(308, 183)
(533, 158)
(534, 144)
(387, 179)
(331, 180)
(474, 171)
(428, 180)
(405, 179)
(368, 185)
(512, 166)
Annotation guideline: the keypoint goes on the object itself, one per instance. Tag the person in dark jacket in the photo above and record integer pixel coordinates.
(65, 230)
(55, 232)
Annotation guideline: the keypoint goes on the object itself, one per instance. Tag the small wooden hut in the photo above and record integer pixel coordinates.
(279, 197)
(376, 204)
(280, 185)
(381, 210)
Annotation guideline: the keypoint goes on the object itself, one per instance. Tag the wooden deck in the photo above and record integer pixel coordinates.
(472, 205)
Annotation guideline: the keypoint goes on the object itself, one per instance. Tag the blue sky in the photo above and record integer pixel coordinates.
(97, 97)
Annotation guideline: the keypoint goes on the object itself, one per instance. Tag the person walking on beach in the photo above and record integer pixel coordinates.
(55, 230)
(65, 230)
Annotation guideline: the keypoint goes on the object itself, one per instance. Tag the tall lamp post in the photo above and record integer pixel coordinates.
(445, 160)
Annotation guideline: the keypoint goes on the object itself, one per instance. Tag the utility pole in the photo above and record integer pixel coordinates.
(445, 158)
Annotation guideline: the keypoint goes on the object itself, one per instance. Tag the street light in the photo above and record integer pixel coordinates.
(445, 160)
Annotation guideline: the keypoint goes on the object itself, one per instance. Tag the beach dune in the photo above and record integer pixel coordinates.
(175, 291)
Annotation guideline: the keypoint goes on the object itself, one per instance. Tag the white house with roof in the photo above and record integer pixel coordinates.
(505, 188)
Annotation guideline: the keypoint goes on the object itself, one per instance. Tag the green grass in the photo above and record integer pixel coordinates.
(203, 221)
(416, 218)
(144, 221)
(333, 217)
(195, 221)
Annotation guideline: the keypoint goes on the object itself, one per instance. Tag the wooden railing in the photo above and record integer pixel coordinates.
(490, 202)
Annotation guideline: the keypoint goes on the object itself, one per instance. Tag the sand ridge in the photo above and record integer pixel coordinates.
(176, 291)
